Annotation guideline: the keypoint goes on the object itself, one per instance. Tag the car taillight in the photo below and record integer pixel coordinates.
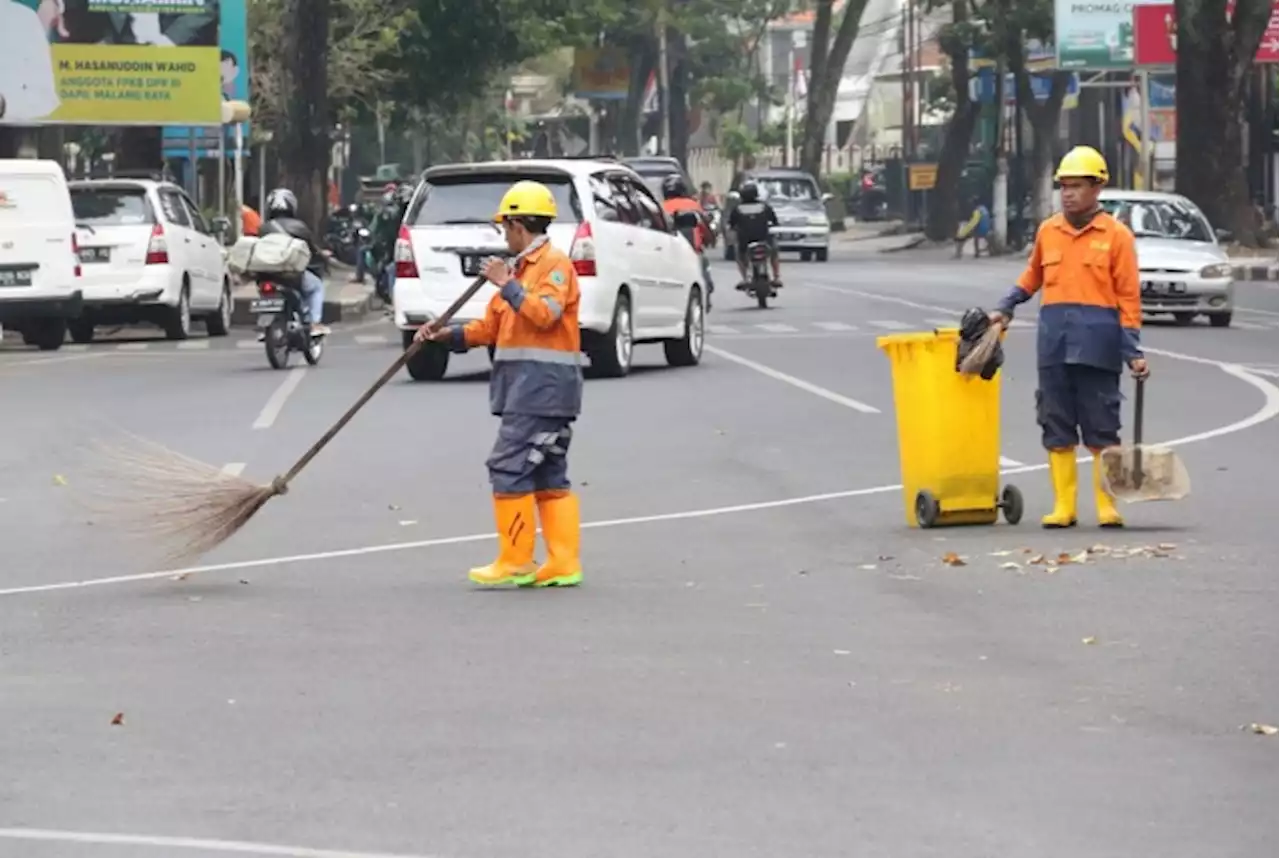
(406, 265)
(868, 181)
(157, 247)
(583, 251)
(75, 251)
(266, 287)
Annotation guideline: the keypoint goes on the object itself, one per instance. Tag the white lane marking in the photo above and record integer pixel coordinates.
(944, 323)
(77, 347)
(270, 411)
(777, 328)
(248, 344)
(370, 339)
(233, 469)
(1006, 462)
(834, 326)
(1019, 323)
(1269, 411)
(890, 325)
(224, 846)
(722, 329)
(1252, 326)
(1255, 311)
(808, 387)
(193, 345)
(62, 359)
(132, 347)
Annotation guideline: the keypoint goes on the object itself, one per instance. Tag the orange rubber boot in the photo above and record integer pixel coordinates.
(561, 530)
(516, 536)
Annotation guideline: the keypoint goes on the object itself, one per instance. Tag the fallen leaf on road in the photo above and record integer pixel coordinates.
(885, 557)
(409, 522)
(1063, 558)
(244, 580)
(1010, 565)
(59, 480)
(905, 577)
(1001, 553)
(1028, 551)
(953, 559)
(1038, 560)
(1089, 641)
(868, 566)
(392, 507)
(118, 720)
(1050, 570)
(841, 652)
(1167, 546)
(1100, 549)
(1263, 729)
(1082, 557)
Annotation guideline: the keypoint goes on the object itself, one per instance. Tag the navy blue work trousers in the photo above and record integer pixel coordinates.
(530, 454)
(1078, 404)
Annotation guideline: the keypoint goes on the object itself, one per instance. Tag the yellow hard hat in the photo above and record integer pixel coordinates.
(527, 199)
(1083, 162)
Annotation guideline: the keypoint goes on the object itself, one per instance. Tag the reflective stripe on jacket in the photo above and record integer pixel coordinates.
(532, 323)
(1091, 301)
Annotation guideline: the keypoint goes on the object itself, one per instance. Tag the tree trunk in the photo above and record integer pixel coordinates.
(678, 79)
(1044, 119)
(944, 213)
(644, 58)
(304, 138)
(140, 149)
(826, 67)
(1214, 58)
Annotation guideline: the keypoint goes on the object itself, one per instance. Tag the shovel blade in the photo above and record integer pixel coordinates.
(1163, 477)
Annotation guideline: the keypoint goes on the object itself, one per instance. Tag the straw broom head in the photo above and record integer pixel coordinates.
(182, 507)
(982, 352)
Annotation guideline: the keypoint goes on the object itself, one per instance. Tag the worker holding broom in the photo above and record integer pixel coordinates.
(1085, 266)
(536, 389)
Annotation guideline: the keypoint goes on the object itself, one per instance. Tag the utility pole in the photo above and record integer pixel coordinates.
(1147, 182)
(1000, 187)
(788, 157)
(664, 81)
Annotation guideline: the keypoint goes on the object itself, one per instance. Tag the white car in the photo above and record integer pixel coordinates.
(147, 255)
(640, 281)
(39, 271)
(1184, 270)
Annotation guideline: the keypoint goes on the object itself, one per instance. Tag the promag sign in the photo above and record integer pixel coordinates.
(109, 62)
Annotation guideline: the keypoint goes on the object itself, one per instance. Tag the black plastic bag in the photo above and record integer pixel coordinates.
(976, 336)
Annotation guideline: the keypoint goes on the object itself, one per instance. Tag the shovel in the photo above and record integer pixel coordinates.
(1137, 472)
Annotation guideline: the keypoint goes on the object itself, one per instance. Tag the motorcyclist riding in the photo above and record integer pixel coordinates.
(677, 199)
(750, 221)
(384, 230)
(282, 217)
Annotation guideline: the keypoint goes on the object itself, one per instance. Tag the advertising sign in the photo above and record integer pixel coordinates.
(109, 62)
(1155, 30)
(601, 73)
(982, 88)
(1094, 34)
(233, 71)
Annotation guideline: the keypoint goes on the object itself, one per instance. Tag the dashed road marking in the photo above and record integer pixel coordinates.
(247, 344)
(371, 339)
(270, 411)
(132, 347)
(77, 347)
(194, 345)
(777, 328)
(891, 325)
(834, 326)
(944, 323)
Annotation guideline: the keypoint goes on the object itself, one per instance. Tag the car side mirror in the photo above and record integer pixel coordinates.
(221, 227)
(1223, 234)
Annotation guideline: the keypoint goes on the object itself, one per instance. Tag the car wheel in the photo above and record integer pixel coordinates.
(1220, 320)
(820, 255)
(177, 319)
(430, 363)
(611, 352)
(1182, 320)
(219, 324)
(81, 330)
(48, 335)
(687, 351)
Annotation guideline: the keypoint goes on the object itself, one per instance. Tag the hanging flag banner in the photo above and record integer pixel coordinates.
(109, 62)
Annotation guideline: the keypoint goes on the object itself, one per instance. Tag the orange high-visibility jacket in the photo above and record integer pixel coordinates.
(688, 204)
(1091, 299)
(532, 322)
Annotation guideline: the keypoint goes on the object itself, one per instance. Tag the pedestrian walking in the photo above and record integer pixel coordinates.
(1085, 267)
(536, 390)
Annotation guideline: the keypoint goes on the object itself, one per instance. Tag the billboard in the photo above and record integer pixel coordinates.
(1155, 29)
(1094, 34)
(233, 72)
(601, 73)
(109, 62)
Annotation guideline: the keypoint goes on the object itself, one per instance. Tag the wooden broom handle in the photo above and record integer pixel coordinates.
(280, 484)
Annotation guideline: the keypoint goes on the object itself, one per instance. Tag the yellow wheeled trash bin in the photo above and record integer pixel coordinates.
(948, 434)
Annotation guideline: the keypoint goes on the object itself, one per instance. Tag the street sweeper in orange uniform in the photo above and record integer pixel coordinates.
(536, 390)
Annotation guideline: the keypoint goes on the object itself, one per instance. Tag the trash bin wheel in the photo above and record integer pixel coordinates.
(1011, 504)
(927, 508)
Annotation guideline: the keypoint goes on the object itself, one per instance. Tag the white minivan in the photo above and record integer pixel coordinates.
(641, 281)
(39, 256)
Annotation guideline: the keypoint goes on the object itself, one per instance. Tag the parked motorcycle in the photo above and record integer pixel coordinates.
(283, 322)
(760, 284)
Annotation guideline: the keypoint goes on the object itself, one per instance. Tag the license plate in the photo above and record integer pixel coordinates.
(1160, 287)
(471, 265)
(15, 276)
(266, 305)
(95, 254)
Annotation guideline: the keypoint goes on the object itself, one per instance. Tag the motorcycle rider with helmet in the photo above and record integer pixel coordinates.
(282, 217)
(750, 221)
(677, 199)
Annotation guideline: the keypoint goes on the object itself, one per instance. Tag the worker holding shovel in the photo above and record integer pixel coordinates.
(1085, 266)
(536, 388)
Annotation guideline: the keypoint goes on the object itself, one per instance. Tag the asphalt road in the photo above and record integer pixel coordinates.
(764, 659)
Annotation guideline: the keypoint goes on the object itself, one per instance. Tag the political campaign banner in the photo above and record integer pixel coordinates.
(1094, 34)
(233, 71)
(109, 62)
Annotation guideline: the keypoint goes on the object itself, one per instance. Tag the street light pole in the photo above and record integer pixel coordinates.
(664, 81)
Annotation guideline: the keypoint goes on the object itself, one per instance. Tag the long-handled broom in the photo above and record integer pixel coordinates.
(194, 507)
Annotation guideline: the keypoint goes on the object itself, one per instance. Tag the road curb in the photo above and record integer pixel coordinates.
(344, 308)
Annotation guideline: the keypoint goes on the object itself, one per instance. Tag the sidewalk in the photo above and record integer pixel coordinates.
(344, 301)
